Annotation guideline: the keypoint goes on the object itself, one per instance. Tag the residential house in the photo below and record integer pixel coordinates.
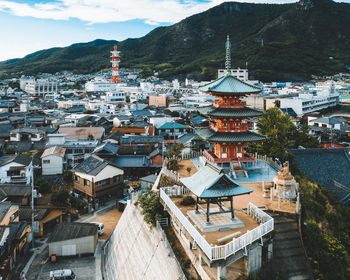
(106, 151)
(148, 181)
(96, 178)
(171, 130)
(26, 134)
(16, 169)
(18, 194)
(52, 161)
(44, 218)
(83, 133)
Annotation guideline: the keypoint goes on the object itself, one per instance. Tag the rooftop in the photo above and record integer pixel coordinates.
(237, 136)
(57, 151)
(67, 231)
(229, 112)
(171, 125)
(92, 165)
(229, 84)
(82, 132)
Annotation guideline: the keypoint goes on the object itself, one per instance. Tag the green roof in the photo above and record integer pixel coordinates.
(229, 112)
(216, 136)
(229, 84)
(170, 125)
(211, 182)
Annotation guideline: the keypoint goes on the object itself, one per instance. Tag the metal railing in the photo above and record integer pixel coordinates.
(237, 244)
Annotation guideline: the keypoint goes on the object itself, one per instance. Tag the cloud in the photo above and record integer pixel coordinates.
(152, 12)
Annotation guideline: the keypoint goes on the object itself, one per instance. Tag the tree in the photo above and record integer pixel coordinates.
(152, 209)
(175, 150)
(281, 134)
(189, 169)
(60, 197)
(10, 150)
(197, 144)
(90, 137)
(43, 184)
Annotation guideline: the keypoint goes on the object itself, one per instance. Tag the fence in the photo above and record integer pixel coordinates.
(270, 161)
(237, 244)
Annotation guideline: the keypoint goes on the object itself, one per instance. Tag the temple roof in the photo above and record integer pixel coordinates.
(229, 84)
(216, 136)
(229, 112)
(211, 182)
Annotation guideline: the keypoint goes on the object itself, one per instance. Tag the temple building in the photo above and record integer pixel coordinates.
(230, 118)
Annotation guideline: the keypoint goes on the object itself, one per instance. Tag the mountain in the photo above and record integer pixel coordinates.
(279, 42)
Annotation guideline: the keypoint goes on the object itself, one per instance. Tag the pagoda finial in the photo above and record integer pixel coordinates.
(228, 56)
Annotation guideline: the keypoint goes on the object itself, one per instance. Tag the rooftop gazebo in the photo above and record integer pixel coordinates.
(213, 186)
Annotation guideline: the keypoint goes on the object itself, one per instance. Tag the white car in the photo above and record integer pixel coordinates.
(63, 274)
(100, 227)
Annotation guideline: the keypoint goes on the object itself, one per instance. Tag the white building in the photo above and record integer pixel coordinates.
(16, 169)
(26, 134)
(241, 74)
(114, 97)
(99, 85)
(52, 161)
(41, 88)
(308, 103)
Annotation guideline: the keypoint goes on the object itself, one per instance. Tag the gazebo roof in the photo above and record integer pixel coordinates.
(229, 84)
(211, 182)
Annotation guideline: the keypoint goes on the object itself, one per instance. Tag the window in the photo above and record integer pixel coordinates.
(86, 182)
(239, 149)
(116, 179)
(46, 161)
(225, 124)
(76, 178)
(224, 149)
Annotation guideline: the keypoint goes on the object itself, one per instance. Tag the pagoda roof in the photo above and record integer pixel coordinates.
(230, 112)
(211, 182)
(236, 136)
(229, 84)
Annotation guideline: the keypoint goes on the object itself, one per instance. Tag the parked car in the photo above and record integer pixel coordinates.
(62, 274)
(100, 227)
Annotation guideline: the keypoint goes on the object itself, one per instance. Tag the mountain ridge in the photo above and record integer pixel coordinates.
(279, 42)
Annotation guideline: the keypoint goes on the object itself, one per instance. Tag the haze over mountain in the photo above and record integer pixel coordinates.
(279, 42)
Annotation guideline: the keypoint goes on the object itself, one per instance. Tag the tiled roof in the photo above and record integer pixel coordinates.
(92, 165)
(149, 178)
(16, 190)
(229, 84)
(211, 182)
(230, 112)
(324, 165)
(25, 213)
(67, 231)
(107, 148)
(243, 136)
(142, 139)
(170, 125)
(4, 208)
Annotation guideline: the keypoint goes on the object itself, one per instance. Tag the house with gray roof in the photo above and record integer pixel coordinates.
(97, 179)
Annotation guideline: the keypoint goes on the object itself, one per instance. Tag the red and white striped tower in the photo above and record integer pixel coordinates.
(115, 65)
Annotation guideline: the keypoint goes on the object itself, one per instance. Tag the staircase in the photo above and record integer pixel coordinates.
(288, 253)
(240, 173)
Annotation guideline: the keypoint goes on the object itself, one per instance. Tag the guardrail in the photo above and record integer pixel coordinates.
(237, 244)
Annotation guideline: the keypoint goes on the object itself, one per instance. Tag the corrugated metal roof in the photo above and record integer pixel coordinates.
(210, 182)
(229, 84)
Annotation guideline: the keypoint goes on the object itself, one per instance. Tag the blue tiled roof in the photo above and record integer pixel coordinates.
(170, 125)
(229, 84)
(324, 165)
(211, 182)
(198, 119)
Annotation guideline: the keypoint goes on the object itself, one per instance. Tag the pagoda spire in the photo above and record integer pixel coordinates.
(228, 56)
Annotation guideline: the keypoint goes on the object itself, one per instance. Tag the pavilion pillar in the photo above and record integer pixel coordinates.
(232, 211)
(208, 209)
(197, 202)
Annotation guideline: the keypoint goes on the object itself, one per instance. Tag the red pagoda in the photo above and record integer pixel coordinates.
(231, 120)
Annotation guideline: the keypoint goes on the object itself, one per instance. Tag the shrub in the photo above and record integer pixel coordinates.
(173, 165)
(152, 209)
(187, 200)
(43, 184)
(68, 176)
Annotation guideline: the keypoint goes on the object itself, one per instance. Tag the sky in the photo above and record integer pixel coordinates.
(27, 26)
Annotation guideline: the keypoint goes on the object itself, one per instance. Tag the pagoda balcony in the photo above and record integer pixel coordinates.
(228, 105)
(210, 156)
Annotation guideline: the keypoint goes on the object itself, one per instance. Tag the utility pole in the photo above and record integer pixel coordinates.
(32, 183)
